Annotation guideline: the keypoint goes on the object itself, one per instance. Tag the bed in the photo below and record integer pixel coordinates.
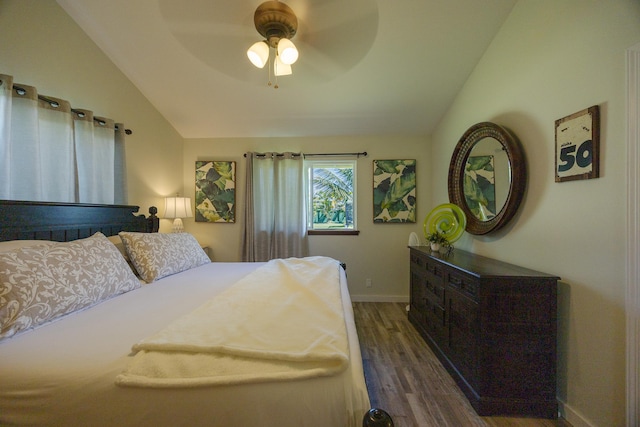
(83, 367)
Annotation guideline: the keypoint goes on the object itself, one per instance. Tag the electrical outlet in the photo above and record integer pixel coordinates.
(368, 283)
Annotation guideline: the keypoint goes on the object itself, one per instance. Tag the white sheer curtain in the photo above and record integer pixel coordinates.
(95, 148)
(275, 224)
(51, 152)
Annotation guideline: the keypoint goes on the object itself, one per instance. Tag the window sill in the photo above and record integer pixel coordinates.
(333, 232)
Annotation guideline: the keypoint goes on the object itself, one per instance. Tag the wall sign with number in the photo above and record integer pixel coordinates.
(578, 145)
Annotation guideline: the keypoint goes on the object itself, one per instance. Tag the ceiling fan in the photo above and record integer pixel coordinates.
(332, 36)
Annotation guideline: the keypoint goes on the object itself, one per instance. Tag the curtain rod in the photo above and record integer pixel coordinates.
(363, 154)
(55, 104)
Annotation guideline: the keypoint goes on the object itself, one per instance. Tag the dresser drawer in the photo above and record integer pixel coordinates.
(423, 262)
(434, 321)
(428, 287)
(417, 259)
(434, 289)
(429, 278)
(434, 268)
(463, 283)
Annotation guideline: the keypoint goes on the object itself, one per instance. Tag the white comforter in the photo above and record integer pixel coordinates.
(253, 332)
(62, 374)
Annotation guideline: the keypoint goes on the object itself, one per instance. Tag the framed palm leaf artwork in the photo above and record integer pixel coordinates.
(215, 191)
(394, 191)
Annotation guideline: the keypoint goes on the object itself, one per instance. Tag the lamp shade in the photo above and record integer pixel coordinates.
(177, 207)
(258, 54)
(287, 51)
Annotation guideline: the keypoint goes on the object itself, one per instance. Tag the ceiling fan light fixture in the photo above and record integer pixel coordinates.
(287, 51)
(281, 68)
(258, 54)
(278, 24)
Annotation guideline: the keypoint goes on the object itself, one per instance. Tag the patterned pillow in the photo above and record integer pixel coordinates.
(157, 255)
(11, 245)
(41, 283)
(117, 241)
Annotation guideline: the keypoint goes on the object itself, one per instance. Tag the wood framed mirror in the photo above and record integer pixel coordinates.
(487, 177)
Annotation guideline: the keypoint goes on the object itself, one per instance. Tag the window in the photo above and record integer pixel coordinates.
(331, 188)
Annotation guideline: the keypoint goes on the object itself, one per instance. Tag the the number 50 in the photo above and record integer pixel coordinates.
(582, 157)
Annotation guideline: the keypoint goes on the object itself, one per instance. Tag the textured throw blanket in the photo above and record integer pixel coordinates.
(283, 321)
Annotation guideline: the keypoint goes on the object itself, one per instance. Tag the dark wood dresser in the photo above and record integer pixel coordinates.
(492, 325)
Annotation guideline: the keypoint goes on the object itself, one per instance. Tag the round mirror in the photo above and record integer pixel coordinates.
(487, 177)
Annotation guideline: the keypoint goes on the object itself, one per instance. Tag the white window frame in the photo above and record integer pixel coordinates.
(329, 163)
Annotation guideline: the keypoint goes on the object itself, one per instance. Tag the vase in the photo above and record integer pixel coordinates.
(435, 247)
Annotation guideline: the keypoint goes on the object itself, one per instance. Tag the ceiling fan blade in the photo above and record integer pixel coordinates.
(345, 44)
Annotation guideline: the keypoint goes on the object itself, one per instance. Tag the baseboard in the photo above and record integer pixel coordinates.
(573, 417)
(380, 298)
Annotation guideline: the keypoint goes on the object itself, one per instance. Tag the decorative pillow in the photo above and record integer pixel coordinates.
(157, 255)
(41, 283)
(11, 245)
(117, 241)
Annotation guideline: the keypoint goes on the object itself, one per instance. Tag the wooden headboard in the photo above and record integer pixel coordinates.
(63, 222)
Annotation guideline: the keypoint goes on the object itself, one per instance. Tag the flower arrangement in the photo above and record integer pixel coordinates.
(437, 241)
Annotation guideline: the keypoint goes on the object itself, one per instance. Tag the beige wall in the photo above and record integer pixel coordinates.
(42, 47)
(551, 59)
(379, 252)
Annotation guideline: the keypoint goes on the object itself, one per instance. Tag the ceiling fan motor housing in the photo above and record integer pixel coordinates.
(275, 20)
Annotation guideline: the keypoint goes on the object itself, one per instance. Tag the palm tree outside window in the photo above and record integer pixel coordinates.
(331, 195)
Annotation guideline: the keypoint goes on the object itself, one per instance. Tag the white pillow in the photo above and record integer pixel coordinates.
(156, 255)
(41, 283)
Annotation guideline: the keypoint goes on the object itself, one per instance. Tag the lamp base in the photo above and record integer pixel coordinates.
(178, 227)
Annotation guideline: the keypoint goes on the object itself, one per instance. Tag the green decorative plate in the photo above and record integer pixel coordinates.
(447, 219)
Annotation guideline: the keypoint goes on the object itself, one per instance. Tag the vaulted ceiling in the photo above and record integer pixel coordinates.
(365, 66)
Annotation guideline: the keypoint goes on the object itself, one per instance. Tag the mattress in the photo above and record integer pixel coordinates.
(63, 373)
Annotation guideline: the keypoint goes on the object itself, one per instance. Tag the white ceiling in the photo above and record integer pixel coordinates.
(365, 66)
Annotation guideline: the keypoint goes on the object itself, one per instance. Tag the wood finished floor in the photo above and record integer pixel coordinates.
(406, 379)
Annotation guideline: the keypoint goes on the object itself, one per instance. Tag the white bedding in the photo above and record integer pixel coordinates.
(63, 373)
(236, 338)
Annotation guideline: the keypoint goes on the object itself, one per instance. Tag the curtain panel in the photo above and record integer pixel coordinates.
(275, 223)
(52, 152)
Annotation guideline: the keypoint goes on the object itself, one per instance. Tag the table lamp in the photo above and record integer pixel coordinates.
(177, 208)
